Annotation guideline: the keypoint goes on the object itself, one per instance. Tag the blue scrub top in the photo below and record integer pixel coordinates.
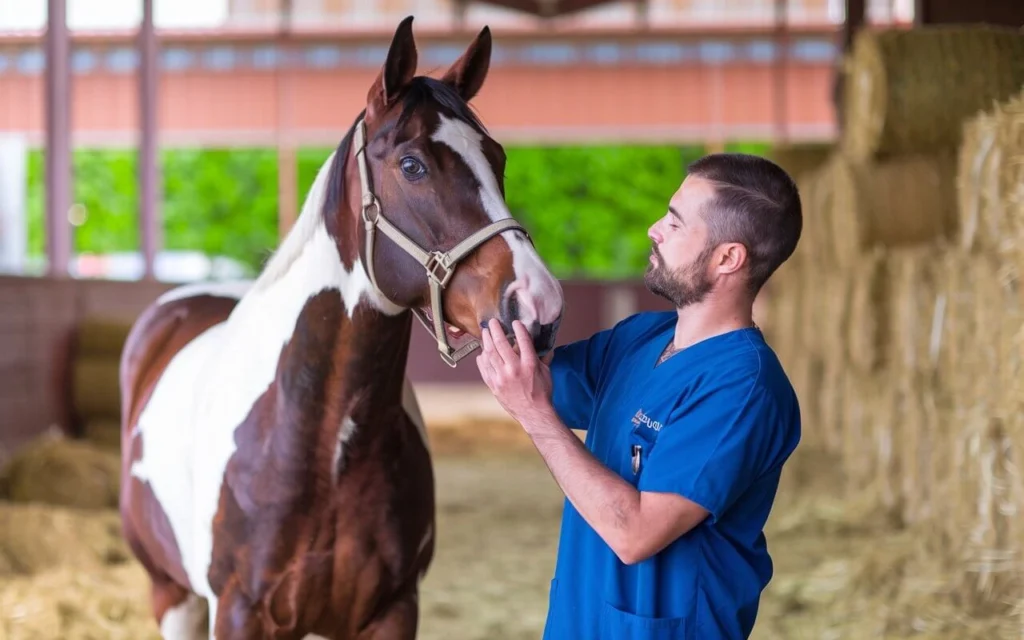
(714, 423)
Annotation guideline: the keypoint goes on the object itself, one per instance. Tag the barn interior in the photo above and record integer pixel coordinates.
(900, 318)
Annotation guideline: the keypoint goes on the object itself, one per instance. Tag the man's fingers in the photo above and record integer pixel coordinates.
(526, 353)
(501, 343)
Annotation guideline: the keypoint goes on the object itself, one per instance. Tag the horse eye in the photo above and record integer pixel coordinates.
(412, 167)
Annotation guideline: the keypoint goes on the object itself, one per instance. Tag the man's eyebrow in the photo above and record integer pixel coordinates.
(673, 211)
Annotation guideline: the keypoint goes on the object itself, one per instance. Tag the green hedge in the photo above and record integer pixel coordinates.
(587, 207)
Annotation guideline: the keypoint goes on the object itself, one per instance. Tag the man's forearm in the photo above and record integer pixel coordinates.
(608, 503)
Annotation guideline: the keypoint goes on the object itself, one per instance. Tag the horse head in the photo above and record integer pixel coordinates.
(434, 231)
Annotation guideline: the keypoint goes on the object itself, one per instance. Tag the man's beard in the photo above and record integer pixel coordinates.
(684, 286)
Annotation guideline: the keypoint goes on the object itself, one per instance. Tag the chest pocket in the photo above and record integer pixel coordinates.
(642, 439)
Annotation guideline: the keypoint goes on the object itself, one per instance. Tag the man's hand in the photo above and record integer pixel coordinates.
(520, 382)
(634, 524)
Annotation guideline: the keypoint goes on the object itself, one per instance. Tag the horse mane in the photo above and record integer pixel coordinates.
(327, 192)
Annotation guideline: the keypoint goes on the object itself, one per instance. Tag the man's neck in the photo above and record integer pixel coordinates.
(709, 318)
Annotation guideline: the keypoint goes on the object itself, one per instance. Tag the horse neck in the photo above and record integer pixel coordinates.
(317, 283)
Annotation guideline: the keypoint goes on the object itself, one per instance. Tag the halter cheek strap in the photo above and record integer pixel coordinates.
(439, 265)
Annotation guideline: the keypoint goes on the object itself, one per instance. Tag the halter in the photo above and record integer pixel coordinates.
(440, 265)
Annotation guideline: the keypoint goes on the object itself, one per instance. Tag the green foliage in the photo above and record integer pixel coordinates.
(222, 202)
(587, 207)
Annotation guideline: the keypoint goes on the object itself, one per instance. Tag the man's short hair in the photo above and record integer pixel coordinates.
(757, 204)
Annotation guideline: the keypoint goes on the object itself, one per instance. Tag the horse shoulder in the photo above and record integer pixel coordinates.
(157, 364)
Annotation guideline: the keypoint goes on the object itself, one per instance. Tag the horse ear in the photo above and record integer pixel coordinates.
(399, 68)
(467, 74)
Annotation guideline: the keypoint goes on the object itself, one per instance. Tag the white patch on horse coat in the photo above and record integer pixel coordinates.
(348, 427)
(224, 289)
(539, 293)
(211, 385)
(185, 621)
(412, 407)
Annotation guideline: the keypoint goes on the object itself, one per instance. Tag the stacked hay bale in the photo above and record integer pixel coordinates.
(919, 214)
(95, 391)
(982, 371)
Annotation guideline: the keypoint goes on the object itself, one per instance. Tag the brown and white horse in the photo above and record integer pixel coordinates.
(276, 479)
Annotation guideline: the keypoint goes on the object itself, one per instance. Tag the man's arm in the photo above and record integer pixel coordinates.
(634, 524)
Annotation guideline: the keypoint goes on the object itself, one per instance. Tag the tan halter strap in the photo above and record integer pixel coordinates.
(439, 265)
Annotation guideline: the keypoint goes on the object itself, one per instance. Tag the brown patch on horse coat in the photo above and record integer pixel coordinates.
(157, 336)
(292, 551)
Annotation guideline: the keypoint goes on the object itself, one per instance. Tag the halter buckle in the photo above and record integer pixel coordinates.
(370, 202)
(438, 260)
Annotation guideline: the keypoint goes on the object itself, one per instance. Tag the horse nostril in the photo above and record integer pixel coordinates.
(544, 335)
(510, 311)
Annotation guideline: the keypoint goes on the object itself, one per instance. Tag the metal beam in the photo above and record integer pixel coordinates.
(287, 161)
(149, 174)
(781, 69)
(58, 139)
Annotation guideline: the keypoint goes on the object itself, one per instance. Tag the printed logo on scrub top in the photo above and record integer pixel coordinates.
(641, 418)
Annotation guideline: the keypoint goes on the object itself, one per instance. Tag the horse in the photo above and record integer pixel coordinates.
(276, 475)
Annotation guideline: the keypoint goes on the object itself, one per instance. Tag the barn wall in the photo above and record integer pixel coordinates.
(38, 318)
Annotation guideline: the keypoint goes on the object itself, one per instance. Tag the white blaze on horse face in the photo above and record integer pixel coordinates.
(539, 293)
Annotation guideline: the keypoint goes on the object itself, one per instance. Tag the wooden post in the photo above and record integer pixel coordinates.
(58, 139)
(149, 174)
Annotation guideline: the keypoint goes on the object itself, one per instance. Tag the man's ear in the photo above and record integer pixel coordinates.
(732, 257)
(399, 68)
(467, 74)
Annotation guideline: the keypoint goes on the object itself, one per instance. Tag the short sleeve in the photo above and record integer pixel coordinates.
(575, 372)
(714, 450)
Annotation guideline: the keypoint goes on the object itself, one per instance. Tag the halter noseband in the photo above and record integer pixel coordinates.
(439, 265)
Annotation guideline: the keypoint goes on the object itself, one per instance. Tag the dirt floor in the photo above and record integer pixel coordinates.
(841, 570)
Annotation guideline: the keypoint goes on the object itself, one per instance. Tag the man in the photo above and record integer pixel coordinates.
(688, 415)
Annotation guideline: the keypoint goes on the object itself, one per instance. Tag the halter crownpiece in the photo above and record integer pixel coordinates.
(439, 265)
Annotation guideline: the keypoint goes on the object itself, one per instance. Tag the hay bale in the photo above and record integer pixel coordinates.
(915, 290)
(990, 178)
(869, 318)
(35, 538)
(831, 423)
(917, 413)
(96, 388)
(985, 436)
(784, 297)
(816, 188)
(103, 434)
(63, 472)
(892, 203)
(800, 159)
(101, 337)
(909, 91)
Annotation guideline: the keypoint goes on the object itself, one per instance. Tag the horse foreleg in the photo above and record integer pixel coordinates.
(397, 622)
(180, 614)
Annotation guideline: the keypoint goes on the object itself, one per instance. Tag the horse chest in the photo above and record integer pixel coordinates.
(309, 549)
